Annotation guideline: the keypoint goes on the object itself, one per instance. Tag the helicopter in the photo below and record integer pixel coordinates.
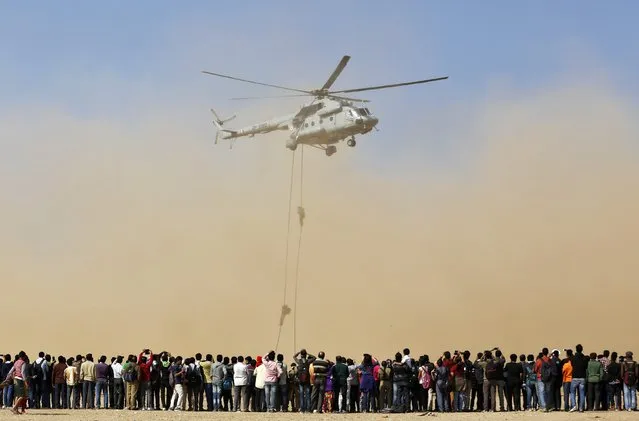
(327, 120)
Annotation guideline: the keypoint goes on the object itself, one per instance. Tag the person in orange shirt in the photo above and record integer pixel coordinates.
(566, 374)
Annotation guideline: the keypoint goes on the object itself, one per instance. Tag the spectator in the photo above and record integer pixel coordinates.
(320, 371)
(282, 385)
(131, 375)
(87, 376)
(177, 380)
(59, 384)
(629, 374)
(217, 379)
(118, 383)
(304, 361)
(208, 384)
(566, 372)
(594, 373)
(614, 382)
(7, 392)
(366, 382)
(579, 373)
(101, 385)
(240, 380)
(514, 380)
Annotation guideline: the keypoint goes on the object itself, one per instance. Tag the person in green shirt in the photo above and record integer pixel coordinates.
(594, 375)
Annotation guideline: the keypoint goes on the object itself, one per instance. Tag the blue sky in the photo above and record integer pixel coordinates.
(116, 59)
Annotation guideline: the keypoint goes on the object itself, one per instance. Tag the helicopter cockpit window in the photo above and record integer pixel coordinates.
(363, 111)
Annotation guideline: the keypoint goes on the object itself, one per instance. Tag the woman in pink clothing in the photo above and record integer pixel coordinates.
(19, 375)
(272, 373)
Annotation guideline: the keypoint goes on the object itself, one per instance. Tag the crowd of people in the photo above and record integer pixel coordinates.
(454, 382)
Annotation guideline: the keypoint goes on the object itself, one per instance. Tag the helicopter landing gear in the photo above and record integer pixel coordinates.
(330, 150)
(351, 142)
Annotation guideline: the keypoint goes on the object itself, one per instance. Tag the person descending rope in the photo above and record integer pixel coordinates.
(286, 310)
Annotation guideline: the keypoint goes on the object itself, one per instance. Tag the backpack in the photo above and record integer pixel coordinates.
(130, 374)
(469, 371)
(155, 374)
(479, 374)
(385, 374)
(414, 375)
(192, 376)
(554, 369)
(442, 374)
(531, 376)
(546, 370)
(165, 373)
(302, 373)
(425, 380)
(630, 376)
(492, 372)
(36, 371)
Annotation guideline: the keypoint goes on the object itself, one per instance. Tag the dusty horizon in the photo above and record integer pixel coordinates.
(134, 235)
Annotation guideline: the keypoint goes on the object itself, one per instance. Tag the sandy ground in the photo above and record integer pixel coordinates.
(108, 415)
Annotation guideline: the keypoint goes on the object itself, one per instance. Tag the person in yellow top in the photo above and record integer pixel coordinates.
(87, 376)
(208, 383)
(566, 374)
(71, 378)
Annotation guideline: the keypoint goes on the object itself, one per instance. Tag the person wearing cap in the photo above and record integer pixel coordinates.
(629, 375)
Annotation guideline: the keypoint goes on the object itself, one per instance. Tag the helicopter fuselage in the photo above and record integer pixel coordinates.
(325, 122)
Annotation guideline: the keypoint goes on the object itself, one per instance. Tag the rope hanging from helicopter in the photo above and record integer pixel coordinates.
(301, 213)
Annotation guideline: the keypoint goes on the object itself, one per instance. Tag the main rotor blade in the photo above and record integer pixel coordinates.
(394, 85)
(256, 83)
(268, 97)
(347, 98)
(336, 72)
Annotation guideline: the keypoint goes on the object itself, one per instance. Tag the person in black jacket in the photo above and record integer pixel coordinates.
(400, 381)
(614, 381)
(554, 393)
(579, 366)
(514, 379)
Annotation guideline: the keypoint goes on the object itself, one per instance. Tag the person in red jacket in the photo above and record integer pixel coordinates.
(145, 378)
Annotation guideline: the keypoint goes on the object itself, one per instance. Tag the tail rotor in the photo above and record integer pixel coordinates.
(219, 123)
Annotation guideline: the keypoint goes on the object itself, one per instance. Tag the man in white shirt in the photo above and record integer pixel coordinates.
(240, 379)
(118, 383)
(406, 359)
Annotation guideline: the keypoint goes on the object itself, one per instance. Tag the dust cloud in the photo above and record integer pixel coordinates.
(119, 236)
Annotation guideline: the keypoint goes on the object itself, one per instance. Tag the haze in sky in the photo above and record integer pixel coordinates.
(497, 207)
